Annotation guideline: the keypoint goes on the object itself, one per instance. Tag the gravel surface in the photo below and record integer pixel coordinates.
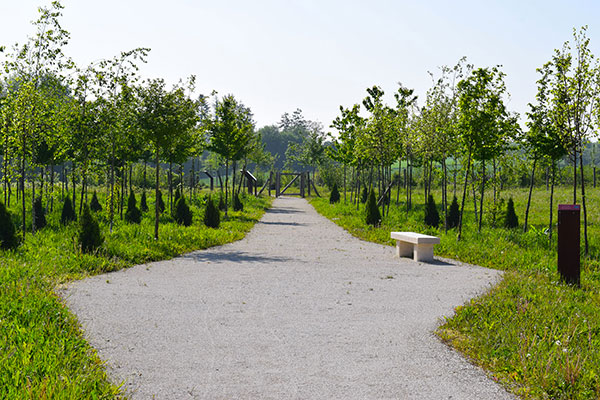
(299, 309)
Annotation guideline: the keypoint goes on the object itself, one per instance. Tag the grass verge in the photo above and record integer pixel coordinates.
(43, 354)
(538, 337)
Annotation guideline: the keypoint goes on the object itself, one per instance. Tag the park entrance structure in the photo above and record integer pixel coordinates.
(305, 184)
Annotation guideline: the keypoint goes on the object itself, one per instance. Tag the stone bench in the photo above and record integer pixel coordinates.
(417, 245)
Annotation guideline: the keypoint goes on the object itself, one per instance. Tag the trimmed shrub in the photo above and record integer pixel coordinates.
(133, 214)
(8, 232)
(364, 195)
(334, 196)
(432, 216)
(237, 204)
(40, 213)
(453, 214)
(510, 218)
(89, 236)
(212, 216)
(177, 195)
(144, 202)
(67, 214)
(222, 205)
(95, 204)
(373, 214)
(160, 203)
(183, 214)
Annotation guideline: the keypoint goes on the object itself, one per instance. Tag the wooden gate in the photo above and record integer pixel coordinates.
(305, 184)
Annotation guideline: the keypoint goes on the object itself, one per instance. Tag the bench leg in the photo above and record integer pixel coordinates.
(423, 252)
(403, 249)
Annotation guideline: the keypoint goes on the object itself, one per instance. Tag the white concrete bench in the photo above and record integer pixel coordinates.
(415, 244)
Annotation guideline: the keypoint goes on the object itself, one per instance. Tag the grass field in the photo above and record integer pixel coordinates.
(43, 354)
(538, 337)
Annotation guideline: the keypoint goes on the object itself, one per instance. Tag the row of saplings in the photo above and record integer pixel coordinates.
(89, 235)
(432, 216)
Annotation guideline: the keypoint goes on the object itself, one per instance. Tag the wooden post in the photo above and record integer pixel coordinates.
(308, 182)
(277, 184)
(270, 180)
(302, 178)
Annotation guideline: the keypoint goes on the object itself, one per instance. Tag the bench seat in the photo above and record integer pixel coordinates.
(417, 245)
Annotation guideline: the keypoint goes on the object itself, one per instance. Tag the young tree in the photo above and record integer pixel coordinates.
(485, 124)
(230, 133)
(163, 116)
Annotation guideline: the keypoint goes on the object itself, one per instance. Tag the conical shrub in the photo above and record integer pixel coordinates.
(212, 216)
(8, 233)
(133, 214)
(364, 195)
(432, 216)
(510, 218)
(67, 214)
(237, 204)
(40, 213)
(89, 235)
(453, 214)
(334, 196)
(95, 204)
(160, 203)
(373, 214)
(183, 214)
(144, 202)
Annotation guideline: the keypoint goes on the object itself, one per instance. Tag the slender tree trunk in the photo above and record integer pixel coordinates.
(226, 185)
(32, 201)
(52, 186)
(474, 191)
(112, 187)
(575, 178)
(171, 186)
(344, 183)
(445, 193)
(23, 191)
(123, 186)
(462, 206)
(585, 231)
(529, 197)
(192, 178)
(483, 181)
(550, 227)
(156, 190)
(83, 185)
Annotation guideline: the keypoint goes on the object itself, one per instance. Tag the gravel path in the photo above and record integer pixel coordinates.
(299, 309)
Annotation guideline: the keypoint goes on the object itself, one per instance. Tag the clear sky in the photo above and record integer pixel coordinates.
(279, 55)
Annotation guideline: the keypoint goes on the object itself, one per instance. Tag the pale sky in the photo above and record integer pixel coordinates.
(276, 56)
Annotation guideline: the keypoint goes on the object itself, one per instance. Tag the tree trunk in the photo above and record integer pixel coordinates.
(156, 190)
(462, 207)
(344, 183)
(550, 227)
(23, 191)
(112, 187)
(575, 178)
(445, 193)
(474, 191)
(483, 181)
(226, 185)
(83, 185)
(529, 197)
(171, 186)
(585, 232)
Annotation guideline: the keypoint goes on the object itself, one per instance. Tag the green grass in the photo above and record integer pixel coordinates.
(538, 337)
(42, 351)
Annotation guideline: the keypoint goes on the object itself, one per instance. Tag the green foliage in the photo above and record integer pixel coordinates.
(453, 214)
(40, 213)
(334, 196)
(95, 204)
(222, 205)
(160, 203)
(8, 234)
(510, 218)
(432, 216)
(144, 202)
(237, 204)
(89, 236)
(133, 214)
(212, 216)
(373, 216)
(67, 214)
(183, 214)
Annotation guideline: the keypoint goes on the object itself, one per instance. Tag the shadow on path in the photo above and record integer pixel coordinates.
(233, 256)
